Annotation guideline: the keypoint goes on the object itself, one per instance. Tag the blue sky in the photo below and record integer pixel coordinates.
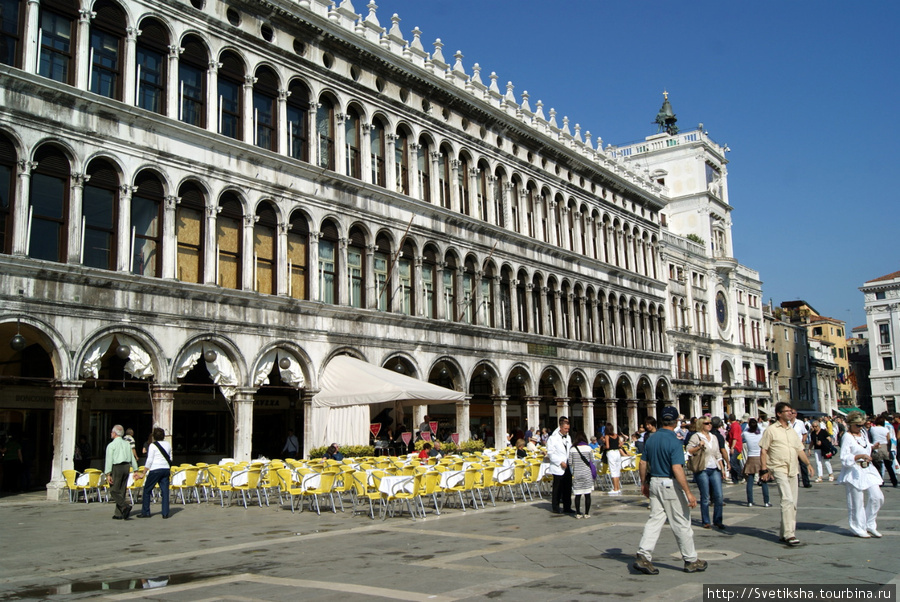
(806, 94)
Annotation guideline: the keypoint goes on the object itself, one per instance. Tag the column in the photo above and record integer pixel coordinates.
(312, 145)
(76, 215)
(124, 251)
(500, 421)
(391, 176)
(282, 276)
(514, 305)
(365, 151)
(418, 287)
(505, 191)
(552, 238)
(491, 201)
(162, 401)
(173, 93)
(434, 180)
(590, 241)
(462, 419)
(170, 243)
(413, 162)
(340, 142)
(372, 291)
(65, 406)
(307, 440)
(242, 403)
(533, 411)
(314, 266)
(649, 406)
(248, 263)
(30, 39)
(212, 95)
(611, 412)
(283, 125)
(419, 413)
(21, 208)
(248, 117)
(587, 411)
(455, 201)
(576, 219)
(718, 405)
(343, 274)
(562, 407)
(632, 415)
(211, 247)
(130, 81)
(473, 192)
(529, 308)
(569, 300)
(545, 315)
(496, 309)
(439, 290)
(83, 49)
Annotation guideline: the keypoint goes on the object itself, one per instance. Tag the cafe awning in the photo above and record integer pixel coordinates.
(348, 381)
(844, 410)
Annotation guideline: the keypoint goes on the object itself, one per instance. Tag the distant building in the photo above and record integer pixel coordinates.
(882, 303)
(860, 366)
(789, 361)
(830, 331)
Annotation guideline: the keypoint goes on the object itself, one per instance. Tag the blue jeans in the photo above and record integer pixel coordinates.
(765, 489)
(153, 477)
(710, 480)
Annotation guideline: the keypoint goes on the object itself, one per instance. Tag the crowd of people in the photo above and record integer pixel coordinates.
(786, 451)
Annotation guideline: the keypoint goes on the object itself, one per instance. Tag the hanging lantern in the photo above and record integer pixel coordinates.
(399, 368)
(284, 363)
(123, 352)
(17, 342)
(210, 355)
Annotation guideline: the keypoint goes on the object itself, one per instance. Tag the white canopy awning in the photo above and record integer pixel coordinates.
(348, 381)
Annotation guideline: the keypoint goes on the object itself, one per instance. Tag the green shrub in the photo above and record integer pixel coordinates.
(349, 451)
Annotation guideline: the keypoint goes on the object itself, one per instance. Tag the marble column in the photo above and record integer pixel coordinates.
(462, 419)
(162, 403)
(242, 404)
(500, 420)
(65, 402)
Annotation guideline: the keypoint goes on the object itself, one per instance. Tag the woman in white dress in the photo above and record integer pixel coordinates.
(860, 477)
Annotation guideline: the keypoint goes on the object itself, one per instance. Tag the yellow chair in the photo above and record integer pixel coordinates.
(252, 484)
(431, 486)
(72, 485)
(189, 482)
(137, 486)
(485, 480)
(363, 491)
(94, 475)
(286, 485)
(222, 476)
(400, 494)
(532, 480)
(467, 485)
(326, 487)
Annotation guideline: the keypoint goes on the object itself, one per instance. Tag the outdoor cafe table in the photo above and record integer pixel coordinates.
(391, 485)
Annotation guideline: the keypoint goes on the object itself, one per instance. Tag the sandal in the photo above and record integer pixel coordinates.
(792, 541)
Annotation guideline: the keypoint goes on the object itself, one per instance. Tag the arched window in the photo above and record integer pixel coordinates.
(405, 274)
(486, 305)
(49, 206)
(99, 211)
(376, 138)
(146, 225)
(328, 265)
(539, 305)
(325, 134)
(356, 267)
(401, 160)
(229, 242)
(265, 111)
(7, 192)
(12, 12)
(59, 20)
(298, 256)
(382, 267)
(264, 251)
(190, 225)
(514, 201)
(152, 57)
(105, 64)
(449, 281)
(468, 290)
(497, 194)
(529, 210)
(298, 121)
(429, 278)
(506, 300)
(423, 168)
(352, 144)
(462, 175)
(231, 82)
(444, 177)
(192, 68)
(484, 192)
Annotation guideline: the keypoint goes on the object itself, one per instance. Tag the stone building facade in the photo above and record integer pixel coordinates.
(882, 303)
(204, 202)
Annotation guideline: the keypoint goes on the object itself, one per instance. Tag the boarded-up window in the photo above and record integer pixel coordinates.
(297, 251)
(228, 243)
(189, 232)
(264, 251)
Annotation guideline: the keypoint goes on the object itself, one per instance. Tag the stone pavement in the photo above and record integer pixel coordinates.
(60, 551)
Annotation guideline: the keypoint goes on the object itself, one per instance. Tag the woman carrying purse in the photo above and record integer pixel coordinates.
(709, 480)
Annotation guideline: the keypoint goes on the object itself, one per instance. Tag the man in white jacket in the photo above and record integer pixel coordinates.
(558, 454)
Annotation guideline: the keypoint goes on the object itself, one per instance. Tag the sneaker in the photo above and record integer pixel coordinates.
(579, 516)
(750, 504)
(586, 516)
(819, 480)
(698, 566)
(831, 478)
(643, 565)
(767, 505)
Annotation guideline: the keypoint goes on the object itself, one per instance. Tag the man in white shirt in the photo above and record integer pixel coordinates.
(558, 455)
(802, 432)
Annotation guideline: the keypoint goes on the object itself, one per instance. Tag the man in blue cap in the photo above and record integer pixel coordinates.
(664, 482)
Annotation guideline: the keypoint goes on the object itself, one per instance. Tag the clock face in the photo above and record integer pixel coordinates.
(721, 309)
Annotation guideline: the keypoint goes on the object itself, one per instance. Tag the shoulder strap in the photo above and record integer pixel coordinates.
(163, 452)
(583, 459)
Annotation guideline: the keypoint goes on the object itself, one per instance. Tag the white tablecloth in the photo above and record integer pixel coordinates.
(83, 480)
(180, 477)
(393, 485)
(504, 473)
(452, 478)
(310, 481)
(544, 470)
(239, 478)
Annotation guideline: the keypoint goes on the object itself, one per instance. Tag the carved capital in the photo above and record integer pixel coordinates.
(171, 201)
